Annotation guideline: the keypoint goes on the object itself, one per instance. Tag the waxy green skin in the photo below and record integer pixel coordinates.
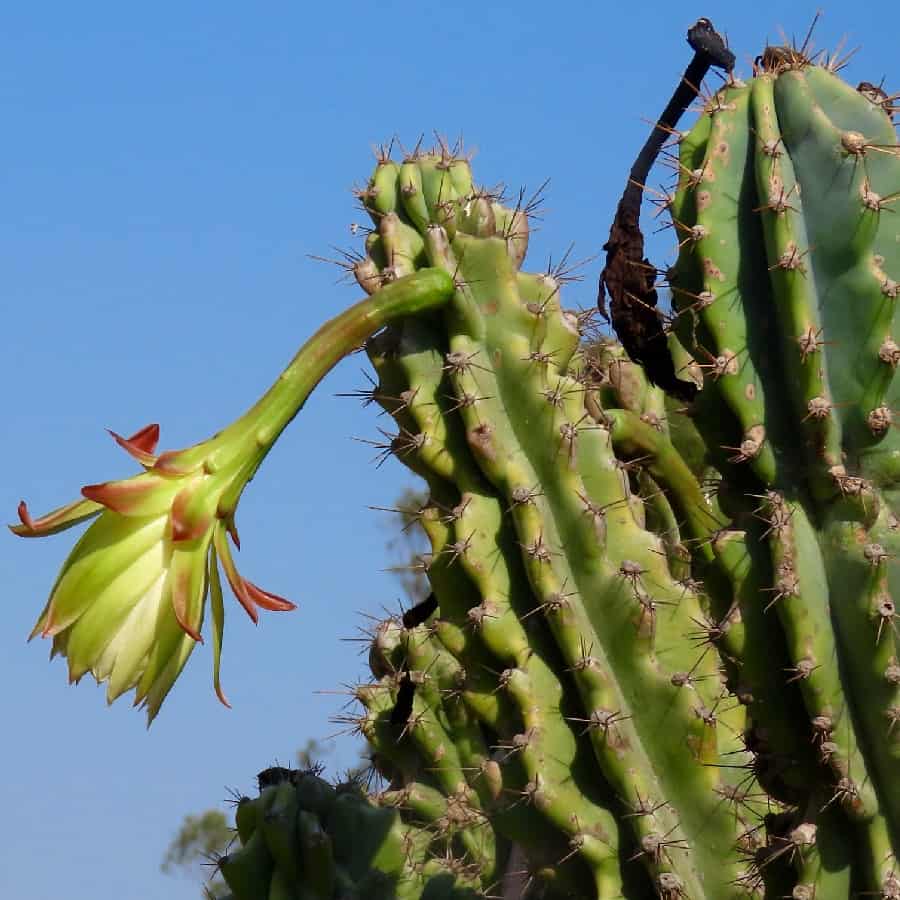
(786, 285)
(795, 552)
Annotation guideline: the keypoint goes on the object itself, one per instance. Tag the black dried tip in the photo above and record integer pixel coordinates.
(273, 776)
(628, 276)
(703, 38)
(403, 706)
(419, 613)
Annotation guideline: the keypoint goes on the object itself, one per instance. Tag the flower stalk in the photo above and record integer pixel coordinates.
(129, 603)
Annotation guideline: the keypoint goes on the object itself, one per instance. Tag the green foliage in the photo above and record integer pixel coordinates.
(199, 840)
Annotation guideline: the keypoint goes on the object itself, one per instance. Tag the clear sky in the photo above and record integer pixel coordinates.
(164, 171)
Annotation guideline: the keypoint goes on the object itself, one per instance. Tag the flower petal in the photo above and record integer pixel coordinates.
(188, 577)
(164, 682)
(159, 689)
(231, 528)
(141, 445)
(136, 638)
(140, 495)
(166, 660)
(217, 607)
(109, 548)
(193, 510)
(111, 607)
(55, 521)
(168, 654)
(58, 646)
(231, 573)
(267, 600)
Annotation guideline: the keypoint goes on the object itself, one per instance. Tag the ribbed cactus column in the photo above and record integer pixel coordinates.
(570, 591)
(505, 673)
(787, 286)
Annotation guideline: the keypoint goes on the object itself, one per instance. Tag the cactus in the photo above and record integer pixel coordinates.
(794, 549)
(561, 631)
(785, 290)
(660, 654)
(305, 839)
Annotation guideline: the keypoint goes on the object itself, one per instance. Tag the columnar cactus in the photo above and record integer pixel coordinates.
(560, 630)
(786, 291)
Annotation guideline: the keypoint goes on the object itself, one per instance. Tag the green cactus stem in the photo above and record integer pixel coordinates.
(785, 288)
(567, 590)
(306, 839)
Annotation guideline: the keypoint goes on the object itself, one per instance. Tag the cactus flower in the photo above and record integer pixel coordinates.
(129, 603)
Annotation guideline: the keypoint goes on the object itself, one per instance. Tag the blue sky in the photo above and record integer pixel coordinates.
(164, 171)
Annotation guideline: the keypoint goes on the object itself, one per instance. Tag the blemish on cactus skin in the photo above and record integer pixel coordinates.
(712, 270)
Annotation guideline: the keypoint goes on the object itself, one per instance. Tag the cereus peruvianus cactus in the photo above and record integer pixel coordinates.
(568, 636)
(785, 292)
(660, 653)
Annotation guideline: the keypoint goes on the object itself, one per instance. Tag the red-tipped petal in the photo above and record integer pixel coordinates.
(267, 600)
(141, 445)
(188, 517)
(147, 438)
(182, 591)
(57, 520)
(222, 698)
(238, 585)
(232, 530)
(25, 516)
(120, 496)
